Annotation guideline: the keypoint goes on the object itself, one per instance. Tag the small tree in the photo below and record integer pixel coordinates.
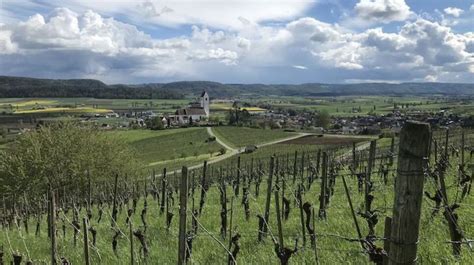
(63, 154)
(323, 119)
(155, 123)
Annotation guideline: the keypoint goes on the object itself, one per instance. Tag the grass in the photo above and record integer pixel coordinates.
(163, 243)
(62, 110)
(170, 148)
(228, 106)
(159, 105)
(243, 136)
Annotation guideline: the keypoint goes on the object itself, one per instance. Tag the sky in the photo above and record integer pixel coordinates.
(239, 41)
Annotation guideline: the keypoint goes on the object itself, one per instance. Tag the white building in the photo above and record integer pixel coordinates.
(196, 111)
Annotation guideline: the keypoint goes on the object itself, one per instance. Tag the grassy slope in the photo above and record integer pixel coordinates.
(170, 148)
(243, 136)
(432, 248)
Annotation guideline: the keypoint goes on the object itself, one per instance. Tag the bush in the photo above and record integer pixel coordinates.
(222, 151)
(63, 154)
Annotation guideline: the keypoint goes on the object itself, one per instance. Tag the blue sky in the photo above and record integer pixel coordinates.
(239, 41)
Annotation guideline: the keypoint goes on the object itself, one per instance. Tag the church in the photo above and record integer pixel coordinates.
(196, 111)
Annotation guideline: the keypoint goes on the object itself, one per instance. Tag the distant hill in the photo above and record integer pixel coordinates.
(34, 87)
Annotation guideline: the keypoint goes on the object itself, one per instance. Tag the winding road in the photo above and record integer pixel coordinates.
(235, 151)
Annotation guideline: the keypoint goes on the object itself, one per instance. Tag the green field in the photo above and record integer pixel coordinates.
(84, 105)
(362, 105)
(243, 136)
(170, 148)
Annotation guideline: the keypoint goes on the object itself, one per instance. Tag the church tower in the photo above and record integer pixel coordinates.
(205, 102)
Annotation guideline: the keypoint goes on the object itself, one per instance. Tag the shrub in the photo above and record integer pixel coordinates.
(63, 154)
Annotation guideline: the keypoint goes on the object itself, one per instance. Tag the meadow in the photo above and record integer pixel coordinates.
(170, 148)
(243, 136)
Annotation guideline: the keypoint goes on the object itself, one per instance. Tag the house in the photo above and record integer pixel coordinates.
(196, 111)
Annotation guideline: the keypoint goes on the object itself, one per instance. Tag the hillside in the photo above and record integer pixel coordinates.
(33, 87)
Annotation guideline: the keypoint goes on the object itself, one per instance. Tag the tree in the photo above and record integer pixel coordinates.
(63, 155)
(155, 123)
(323, 119)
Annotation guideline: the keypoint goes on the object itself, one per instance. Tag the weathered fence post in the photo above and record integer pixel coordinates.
(269, 196)
(114, 207)
(322, 196)
(132, 253)
(413, 150)
(294, 166)
(52, 226)
(203, 187)
(278, 214)
(86, 242)
(386, 235)
(237, 186)
(163, 191)
(183, 197)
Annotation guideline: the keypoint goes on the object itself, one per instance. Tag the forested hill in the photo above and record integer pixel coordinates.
(33, 87)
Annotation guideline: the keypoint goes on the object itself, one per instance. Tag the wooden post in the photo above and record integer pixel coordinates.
(203, 187)
(386, 235)
(446, 144)
(114, 207)
(354, 163)
(315, 244)
(294, 166)
(300, 204)
(86, 242)
(52, 225)
(236, 191)
(322, 196)
(230, 258)
(183, 197)
(413, 150)
(269, 196)
(163, 191)
(132, 253)
(89, 192)
(302, 167)
(278, 214)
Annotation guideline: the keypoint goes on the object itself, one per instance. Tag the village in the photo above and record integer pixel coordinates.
(198, 113)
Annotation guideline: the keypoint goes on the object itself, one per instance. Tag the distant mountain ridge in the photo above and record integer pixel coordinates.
(11, 86)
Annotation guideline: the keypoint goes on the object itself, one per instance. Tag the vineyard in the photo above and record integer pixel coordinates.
(404, 201)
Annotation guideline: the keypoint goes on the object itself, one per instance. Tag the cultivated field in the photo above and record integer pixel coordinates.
(337, 240)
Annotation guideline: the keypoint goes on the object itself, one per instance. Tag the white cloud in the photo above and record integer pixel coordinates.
(300, 67)
(172, 13)
(73, 44)
(382, 10)
(453, 11)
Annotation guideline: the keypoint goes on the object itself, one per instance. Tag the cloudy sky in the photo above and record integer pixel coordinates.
(239, 41)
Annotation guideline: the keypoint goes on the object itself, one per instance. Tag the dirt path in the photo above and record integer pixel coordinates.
(211, 133)
(235, 151)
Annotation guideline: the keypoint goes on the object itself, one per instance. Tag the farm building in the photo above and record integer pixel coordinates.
(196, 111)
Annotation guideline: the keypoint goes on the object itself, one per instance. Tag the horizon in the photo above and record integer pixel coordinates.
(241, 41)
(234, 83)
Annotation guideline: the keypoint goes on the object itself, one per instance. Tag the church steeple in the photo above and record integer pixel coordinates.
(205, 102)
